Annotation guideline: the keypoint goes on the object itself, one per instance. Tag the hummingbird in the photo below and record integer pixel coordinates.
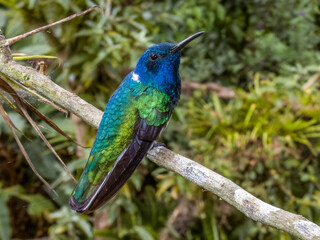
(134, 117)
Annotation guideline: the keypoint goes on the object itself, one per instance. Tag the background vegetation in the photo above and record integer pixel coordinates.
(266, 139)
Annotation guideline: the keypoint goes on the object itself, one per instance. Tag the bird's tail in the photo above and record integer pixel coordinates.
(124, 166)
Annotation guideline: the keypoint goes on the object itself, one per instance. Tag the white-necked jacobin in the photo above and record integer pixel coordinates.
(134, 117)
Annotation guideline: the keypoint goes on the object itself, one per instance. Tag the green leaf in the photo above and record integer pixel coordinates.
(221, 13)
(85, 227)
(38, 205)
(143, 233)
(36, 49)
(15, 190)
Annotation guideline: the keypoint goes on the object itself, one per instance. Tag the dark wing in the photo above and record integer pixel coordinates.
(125, 165)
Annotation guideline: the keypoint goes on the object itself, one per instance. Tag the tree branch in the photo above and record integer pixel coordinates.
(22, 36)
(222, 92)
(224, 188)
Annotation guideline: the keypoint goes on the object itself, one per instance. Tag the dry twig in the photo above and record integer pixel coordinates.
(22, 36)
(222, 92)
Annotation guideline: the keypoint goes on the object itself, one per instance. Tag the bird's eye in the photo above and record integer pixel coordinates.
(153, 56)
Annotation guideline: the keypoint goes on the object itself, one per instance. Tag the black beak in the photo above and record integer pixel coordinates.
(177, 47)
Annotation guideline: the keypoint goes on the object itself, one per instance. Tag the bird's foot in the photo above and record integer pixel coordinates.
(158, 144)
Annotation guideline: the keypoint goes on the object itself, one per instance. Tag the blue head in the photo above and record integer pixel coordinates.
(159, 67)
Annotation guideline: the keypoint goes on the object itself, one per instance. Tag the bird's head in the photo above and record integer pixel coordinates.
(159, 65)
(159, 59)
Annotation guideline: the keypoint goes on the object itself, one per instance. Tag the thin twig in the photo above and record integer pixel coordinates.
(310, 82)
(36, 95)
(22, 107)
(25, 154)
(222, 92)
(22, 36)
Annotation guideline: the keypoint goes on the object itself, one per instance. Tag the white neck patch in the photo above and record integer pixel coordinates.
(135, 77)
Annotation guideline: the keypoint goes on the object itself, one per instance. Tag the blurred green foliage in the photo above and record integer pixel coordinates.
(266, 139)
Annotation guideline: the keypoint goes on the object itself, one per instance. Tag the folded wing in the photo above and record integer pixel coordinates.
(120, 151)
